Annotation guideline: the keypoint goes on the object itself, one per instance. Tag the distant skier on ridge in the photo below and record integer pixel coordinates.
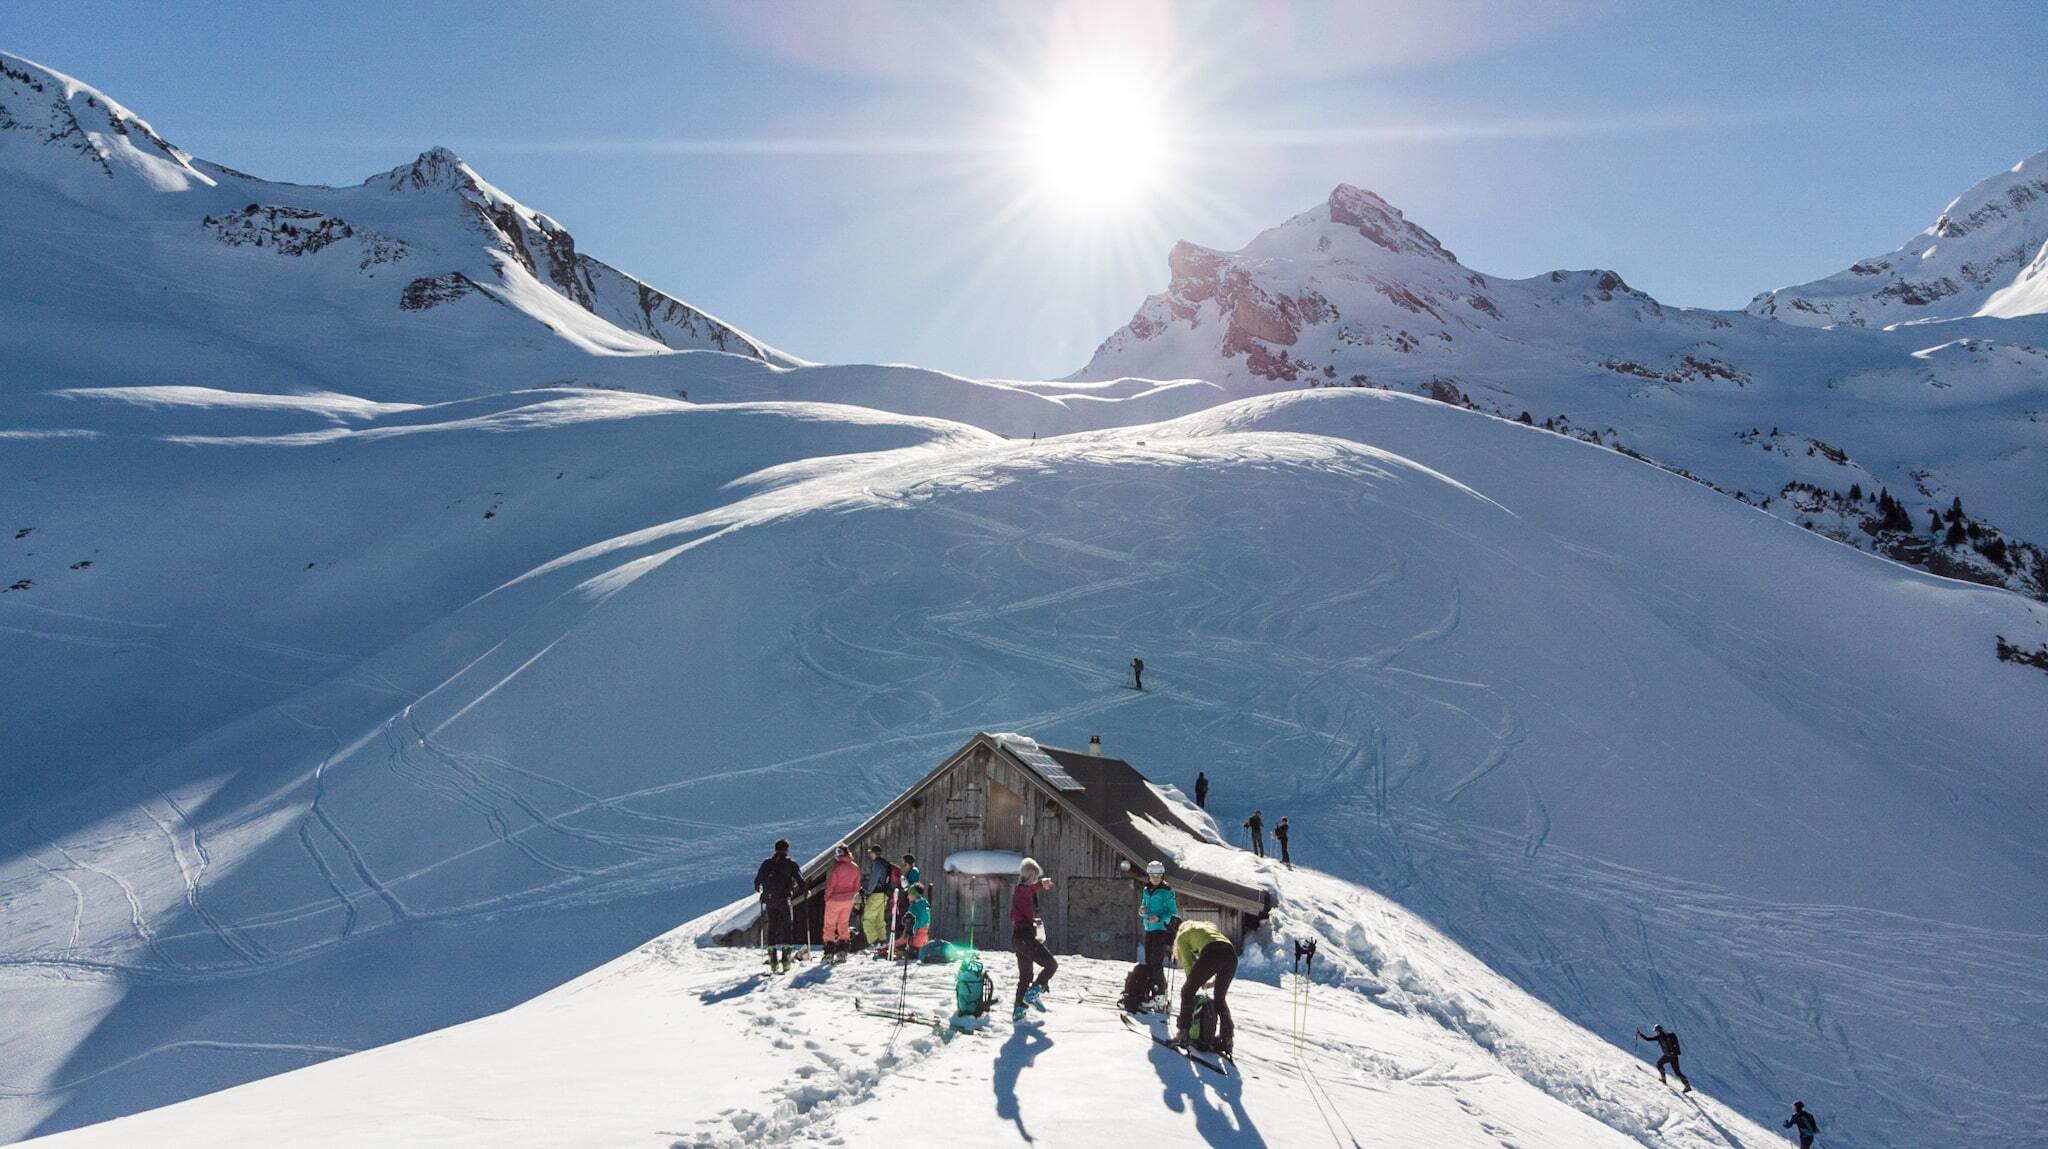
(1280, 836)
(1137, 674)
(1256, 825)
(1201, 790)
(778, 882)
(1802, 1121)
(1667, 1045)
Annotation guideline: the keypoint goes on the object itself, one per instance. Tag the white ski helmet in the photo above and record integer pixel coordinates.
(1155, 869)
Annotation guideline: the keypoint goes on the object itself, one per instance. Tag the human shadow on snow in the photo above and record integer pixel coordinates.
(1187, 1087)
(740, 988)
(1026, 1042)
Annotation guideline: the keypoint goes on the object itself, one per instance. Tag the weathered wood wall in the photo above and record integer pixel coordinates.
(984, 802)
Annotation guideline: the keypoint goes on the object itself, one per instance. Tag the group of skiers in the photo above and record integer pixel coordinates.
(893, 902)
(1200, 947)
(1255, 826)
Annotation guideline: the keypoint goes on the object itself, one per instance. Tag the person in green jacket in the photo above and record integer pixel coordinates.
(1209, 958)
(1158, 906)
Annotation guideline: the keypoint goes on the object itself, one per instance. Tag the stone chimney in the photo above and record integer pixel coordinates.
(1095, 745)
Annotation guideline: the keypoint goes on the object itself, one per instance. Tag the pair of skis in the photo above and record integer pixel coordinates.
(907, 1016)
(1213, 1065)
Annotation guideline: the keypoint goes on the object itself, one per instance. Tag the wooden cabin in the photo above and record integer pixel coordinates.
(1001, 798)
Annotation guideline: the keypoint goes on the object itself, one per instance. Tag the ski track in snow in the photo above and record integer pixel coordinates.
(1039, 642)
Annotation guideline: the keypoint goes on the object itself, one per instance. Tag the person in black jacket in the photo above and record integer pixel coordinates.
(1201, 790)
(1257, 825)
(779, 882)
(1137, 674)
(1802, 1121)
(1280, 836)
(1667, 1045)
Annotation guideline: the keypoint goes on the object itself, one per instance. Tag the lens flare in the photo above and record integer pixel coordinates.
(1096, 140)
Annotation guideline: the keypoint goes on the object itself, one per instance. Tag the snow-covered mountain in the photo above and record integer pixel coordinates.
(373, 669)
(1986, 255)
(124, 251)
(1822, 428)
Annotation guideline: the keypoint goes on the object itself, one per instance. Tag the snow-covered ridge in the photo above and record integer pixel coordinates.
(54, 127)
(1353, 294)
(1405, 1035)
(67, 148)
(1987, 254)
(1395, 620)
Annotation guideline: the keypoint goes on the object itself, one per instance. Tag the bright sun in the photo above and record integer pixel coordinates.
(1096, 141)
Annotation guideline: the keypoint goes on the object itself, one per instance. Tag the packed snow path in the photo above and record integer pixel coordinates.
(1405, 1041)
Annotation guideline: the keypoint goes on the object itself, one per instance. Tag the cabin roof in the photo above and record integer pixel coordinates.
(1108, 793)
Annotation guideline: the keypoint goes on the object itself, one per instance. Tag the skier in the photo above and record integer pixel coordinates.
(919, 918)
(1802, 1121)
(1280, 836)
(1257, 825)
(876, 886)
(1201, 790)
(778, 881)
(1667, 1044)
(1209, 959)
(842, 886)
(1159, 906)
(1025, 941)
(1137, 674)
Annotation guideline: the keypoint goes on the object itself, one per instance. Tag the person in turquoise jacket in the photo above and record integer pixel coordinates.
(1158, 907)
(917, 921)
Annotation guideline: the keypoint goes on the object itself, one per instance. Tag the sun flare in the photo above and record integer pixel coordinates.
(1095, 142)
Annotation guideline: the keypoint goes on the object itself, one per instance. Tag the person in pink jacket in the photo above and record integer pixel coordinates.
(842, 886)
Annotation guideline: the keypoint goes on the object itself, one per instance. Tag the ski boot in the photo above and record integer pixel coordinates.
(1017, 1015)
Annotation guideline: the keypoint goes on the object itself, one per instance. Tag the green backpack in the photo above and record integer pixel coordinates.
(973, 992)
(1202, 1030)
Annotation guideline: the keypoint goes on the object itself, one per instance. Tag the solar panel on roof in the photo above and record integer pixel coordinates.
(1047, 769)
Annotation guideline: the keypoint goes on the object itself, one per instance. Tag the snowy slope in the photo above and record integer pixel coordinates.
(505, 684)
(1405, 1039)
(1792, 419)
(1986, 255)
(372, 669)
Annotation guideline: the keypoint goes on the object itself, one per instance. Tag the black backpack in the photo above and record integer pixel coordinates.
(1137, 987)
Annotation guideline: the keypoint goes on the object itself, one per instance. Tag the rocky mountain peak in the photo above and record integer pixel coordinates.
(1382, 223)
(436, 168)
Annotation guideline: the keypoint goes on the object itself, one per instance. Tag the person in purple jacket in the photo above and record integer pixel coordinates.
(1024, 939)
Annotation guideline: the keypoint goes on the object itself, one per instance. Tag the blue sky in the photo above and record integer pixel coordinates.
(864, 181)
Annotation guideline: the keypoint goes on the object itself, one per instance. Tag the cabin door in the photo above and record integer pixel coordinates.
(1102, 918)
